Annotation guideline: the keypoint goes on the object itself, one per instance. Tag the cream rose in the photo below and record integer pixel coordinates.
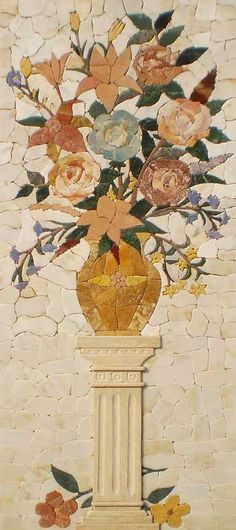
(156, 65)
(184, 122)
(74, 177)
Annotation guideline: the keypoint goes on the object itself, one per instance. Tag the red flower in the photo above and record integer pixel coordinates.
(55, 511)
(61, 131)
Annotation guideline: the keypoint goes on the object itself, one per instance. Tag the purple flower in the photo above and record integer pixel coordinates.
(194, 197)
(33, 269)
(225, 219)
(21, 285)
(191, 218)
(214, 234)
(14, 78)
(38, 229)
(214, 201)
(15, 255)
(48, 248)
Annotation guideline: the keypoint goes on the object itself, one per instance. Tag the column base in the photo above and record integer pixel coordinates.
(117, 521)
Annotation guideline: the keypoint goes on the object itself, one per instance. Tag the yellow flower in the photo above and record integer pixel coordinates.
(115, 30)
(175, 288)
(156, 257)
(75, 21)
(20, 95)
(111, 194)
(26, 67)
(182, 264)
(171, 512)
(197, 289)
(180, 285)
(191, 253)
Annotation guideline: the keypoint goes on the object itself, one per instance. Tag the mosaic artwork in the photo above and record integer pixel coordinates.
(117, 163)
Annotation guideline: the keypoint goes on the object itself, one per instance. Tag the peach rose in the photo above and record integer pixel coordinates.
(156, 65)
(165, 181)
(74, 177)
(184, 122)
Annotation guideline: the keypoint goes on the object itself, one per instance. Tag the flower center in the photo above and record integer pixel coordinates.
(116, 135)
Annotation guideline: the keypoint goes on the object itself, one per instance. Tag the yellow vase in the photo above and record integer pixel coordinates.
(118, 293)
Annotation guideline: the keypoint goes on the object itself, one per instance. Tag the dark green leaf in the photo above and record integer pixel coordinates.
(79, 232)
(190, 55)
(96, 109)
(127, 94)
(199, 150)
(150, 96)
(42, 193)
(202, 179)
(147, 470)
(101, 189)
(151, 228)
(148, 144)
(35, 178)
(87, 503)
(25, 191)
(88, 204)
(149, 124)
(141, 208)
(105, 245)
(216, 136)
(65, 480)
(171, 35)
(129, 236)
(174, 90)
(215, 105)
(159, 494)
(136, 165)
(141, 21)
(33, 121)
(163, 20)
(142, 36)
(170, 152)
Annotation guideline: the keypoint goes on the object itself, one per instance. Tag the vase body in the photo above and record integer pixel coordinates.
(118, 291)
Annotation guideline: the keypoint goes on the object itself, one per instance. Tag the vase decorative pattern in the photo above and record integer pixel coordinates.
(118, 291)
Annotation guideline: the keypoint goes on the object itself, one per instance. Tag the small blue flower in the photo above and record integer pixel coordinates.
(14, 78)
(15, 255)
(214, 201)
(48, 248)
(191, 218)
(33, 269)
(214, 234)
(21, 285)
(225, 219)
(194, 197)
(38, 229)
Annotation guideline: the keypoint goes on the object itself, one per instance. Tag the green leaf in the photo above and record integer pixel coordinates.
(105, 245)
(199, 150)
(78, 233)
(151, 228)
(203, 179)
(149, 124)
(190, 55)
(127, 94)
(150, 96)
(215, 105)
(96, 109)
(141, 208)
(163, 20)
(35, 178)
(170, 152)
(33, 121)
(129, 236)
(216, 136)
(88, 204)
(148, 144)
(25, 191)
(174, 90)
(65, 480)
(142, 36)
(159, 494)
(87, 503)
(171, 35)
(42, 193)
(136, 165)
(102, 189)
(141, 21)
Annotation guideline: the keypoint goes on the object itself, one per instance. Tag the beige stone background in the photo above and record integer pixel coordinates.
(46, 404)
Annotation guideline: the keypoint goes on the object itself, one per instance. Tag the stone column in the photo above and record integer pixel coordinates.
(117, 367)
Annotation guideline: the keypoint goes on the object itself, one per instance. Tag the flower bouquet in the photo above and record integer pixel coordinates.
(132, 158)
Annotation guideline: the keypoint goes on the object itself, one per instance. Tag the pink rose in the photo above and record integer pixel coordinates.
(156, 65)
(165, 181)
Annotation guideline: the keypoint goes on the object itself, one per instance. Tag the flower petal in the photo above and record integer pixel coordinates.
(121, 65)
(99, 67)
(114, 234)
(69, 507)
(43, 136)
(182, 509)
(46, 71)
(64, 114)
(172, 502)
(47, 513)
(86, 84)
(42, 508)
(111, 55)
(128, 82)
(54, 499)
(107, 94)
(55, 65)
(174, 521)
(70, 139)
(62, 62)
(106, 207)
(62, 519)
(87, 218)
(98, 228)
(124, 221)
(123, 207)
(159, 513)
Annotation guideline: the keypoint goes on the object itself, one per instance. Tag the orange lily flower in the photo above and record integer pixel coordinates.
(108, 74)
(109, 218)
(53, 70)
